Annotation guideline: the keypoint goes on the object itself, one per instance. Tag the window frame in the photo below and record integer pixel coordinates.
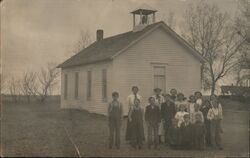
(66, 86)
(159, 75)
(104, 85)
(76, 85)
(89, 84)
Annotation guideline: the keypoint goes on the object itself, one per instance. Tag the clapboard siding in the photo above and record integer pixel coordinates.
(96, 103)
(135, 66)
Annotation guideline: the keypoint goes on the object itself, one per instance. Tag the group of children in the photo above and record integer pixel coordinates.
(191, 124)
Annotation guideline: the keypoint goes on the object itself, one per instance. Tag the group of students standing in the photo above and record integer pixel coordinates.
(184, 124)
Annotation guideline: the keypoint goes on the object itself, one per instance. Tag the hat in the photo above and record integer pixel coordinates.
(157, 89)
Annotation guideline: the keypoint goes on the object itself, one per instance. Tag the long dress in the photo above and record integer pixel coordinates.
(137, 130)
(130, 100)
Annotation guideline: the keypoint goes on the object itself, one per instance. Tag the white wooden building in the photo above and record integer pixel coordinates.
(151, 55)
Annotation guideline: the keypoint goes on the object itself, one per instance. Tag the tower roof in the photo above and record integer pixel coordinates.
(144, 9)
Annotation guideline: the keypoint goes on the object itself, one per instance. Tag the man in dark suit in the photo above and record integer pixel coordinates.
(167, 114)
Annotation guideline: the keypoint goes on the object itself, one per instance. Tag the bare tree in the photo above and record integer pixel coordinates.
(210, 32)
(4, 83)
(84, 40)
(14, 87)
(29, 84)
(242, 25)
(170, 20)
(48, 79)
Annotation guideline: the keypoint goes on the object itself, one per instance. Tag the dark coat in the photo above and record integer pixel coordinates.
(152, 115)
(168, 111)
(186, 135)
(174, 136)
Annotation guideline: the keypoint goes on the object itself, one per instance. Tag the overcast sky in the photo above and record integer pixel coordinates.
(35, 32)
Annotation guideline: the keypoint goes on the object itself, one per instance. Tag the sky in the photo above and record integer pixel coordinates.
(35, 32)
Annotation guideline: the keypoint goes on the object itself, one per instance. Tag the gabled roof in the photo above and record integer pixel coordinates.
(110, 47)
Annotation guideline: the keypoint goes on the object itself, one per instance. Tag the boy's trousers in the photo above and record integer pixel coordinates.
(167, 125)
(153, 133)
(215, 131)
(114, 130)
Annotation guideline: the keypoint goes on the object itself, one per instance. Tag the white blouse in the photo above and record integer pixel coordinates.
(131, 99)
(180, 117)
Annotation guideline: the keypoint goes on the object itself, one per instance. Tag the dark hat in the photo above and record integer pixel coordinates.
(157, 89)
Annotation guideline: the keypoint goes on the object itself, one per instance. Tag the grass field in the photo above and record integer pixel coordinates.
(39, 130)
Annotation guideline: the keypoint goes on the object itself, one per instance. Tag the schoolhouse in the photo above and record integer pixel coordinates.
(149, 56)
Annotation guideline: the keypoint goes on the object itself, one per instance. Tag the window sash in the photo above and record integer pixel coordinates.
(76, 84)
(104, 84)
(88, 85)
(65, 86)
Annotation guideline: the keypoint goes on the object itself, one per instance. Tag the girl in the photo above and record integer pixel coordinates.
(131, 99)
(173, 93)
(198, 97)
(174, 135)
(196, 112)
(191, 103)
(180, 114)
(180, 100)
(199, 133)
(215, 116)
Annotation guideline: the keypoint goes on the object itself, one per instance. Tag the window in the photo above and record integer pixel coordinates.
(76, 84)
(160, 78)
(104, 84)
(88, 85)
(65, 86)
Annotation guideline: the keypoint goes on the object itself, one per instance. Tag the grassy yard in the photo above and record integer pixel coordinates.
(38, 130)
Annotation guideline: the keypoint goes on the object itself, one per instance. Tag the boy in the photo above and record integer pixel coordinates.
(180, 114)
(199, 133)
(186, 133)
(152, 118)
(174, 135)
(167, 114)
(204, 109)
(115, 115)
(215, 116)
(159, 99)
(136, 120)
(196, 112)
(173, 93)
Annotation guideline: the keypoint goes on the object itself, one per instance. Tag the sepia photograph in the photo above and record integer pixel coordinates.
(124, 78)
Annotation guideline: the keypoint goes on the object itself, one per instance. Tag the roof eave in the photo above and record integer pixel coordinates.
(195, 52)
(84, 64)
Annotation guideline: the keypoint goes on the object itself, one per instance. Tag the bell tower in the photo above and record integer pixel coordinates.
(143, 16)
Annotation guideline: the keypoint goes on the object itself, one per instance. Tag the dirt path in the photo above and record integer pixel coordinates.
(38, 130)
